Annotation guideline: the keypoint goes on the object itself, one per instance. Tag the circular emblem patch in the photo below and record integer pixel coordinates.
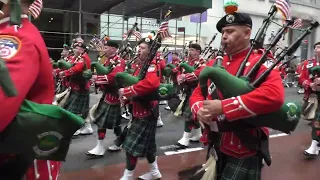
(48, 143)
(230, 18)
(9, 46)
(163, 91)
(292, 111)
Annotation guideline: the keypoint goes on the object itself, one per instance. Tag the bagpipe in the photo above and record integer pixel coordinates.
(310, 105)
(124, 79)
(38, 131)
(6, 83)
(288, 116)
(208, 48)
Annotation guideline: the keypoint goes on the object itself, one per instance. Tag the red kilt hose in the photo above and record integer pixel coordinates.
(267, 98)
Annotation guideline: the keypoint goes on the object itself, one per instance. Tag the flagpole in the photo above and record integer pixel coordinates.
(200, 27)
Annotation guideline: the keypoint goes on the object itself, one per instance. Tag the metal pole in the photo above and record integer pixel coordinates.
(200, 28)
(197, 33)
(80, 17)
(108, 30)
(175, 37)
(123, 11)
(141, 24)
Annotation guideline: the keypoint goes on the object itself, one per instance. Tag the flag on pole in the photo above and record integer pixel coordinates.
(164, 30)
(297, 23)
(284, 7)
(35, 8)
(135, 33)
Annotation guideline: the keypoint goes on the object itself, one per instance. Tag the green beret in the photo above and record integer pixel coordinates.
(195, 46)
(233, 20)
(112, 43)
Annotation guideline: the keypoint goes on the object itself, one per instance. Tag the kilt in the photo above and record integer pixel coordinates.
(108, 116)
(78, 103)
(186, 110)
(242, 169)
(141, 137)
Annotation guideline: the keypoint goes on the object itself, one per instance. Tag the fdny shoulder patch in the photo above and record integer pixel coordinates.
(9, 46)
(152, 68)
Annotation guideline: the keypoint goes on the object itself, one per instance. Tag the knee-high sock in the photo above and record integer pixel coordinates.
(151, 158)
(102, 133)
(131, 162)
(117, 131)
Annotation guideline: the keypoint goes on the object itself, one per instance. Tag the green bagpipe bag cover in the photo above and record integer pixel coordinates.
(124, 79)
(41, 131)
(315, 70)
(164, 91)
(187, 67)
(285, 119)
(64, 64)
(55, 65)
(100, 69)
(166, 72)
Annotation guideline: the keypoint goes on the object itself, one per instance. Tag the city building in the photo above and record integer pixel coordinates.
(61, 20)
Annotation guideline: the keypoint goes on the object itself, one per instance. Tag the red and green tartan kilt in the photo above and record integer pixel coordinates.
(242, 169)
(141, 137)
(108, 116)
(78, 103)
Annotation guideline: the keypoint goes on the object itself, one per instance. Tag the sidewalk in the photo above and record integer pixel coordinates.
(288, 162)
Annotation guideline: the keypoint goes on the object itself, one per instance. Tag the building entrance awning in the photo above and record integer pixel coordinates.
(131, 8)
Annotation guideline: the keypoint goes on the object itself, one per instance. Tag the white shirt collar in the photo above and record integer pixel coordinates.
(6, 19)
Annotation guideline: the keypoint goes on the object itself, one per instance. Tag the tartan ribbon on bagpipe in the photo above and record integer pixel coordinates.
(35, 8)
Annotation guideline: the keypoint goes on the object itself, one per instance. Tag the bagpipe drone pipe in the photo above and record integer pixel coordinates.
(287, 117)
(6, 83)
(125, 79)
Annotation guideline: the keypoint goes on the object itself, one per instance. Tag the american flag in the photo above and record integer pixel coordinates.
(97, 43)
(284, 7)
(137, 34)
(297, 23)
(164, 30)
(35, 8)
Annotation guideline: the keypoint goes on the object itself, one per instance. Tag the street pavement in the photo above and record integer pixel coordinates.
(166, 138)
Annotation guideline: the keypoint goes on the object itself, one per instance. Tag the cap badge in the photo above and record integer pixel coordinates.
(230, 18)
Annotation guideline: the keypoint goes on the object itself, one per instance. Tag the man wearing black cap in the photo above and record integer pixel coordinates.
(78, 99)
(108, 115)
(140, 139)
(238, 158)
(311, 85)
(189, 80)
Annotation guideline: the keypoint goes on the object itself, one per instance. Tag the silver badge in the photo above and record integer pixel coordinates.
(211, 88)
(230, 18)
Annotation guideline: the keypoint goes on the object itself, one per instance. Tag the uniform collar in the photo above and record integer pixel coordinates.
(7, 19)
(239, 54)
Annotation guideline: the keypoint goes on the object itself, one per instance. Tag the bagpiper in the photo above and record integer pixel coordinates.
(237, 161)
(189, 80)
(310, 82)
(77, 101)
(108, 115)
(23, 45)
(140, 139)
